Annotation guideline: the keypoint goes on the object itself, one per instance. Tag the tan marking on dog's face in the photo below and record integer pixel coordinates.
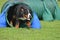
(25, 16)
(22, 9)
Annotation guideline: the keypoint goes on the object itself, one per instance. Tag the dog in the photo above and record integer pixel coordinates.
(20, 14)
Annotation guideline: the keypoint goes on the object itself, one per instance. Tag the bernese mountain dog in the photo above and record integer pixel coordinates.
(20, 14)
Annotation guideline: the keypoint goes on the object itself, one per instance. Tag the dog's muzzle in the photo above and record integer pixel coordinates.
(28, 17)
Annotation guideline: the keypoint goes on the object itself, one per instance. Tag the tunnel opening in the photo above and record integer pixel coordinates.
(11, 12)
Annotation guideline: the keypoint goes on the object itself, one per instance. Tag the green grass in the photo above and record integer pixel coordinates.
(1, 4)
(48, 31)
(59, 3)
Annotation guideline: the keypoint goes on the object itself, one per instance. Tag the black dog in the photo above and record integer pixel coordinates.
(18, 14)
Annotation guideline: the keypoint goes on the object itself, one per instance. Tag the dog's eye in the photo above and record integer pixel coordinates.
(25, 12)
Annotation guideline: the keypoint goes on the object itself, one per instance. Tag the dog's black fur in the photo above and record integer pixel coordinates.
(14, 13)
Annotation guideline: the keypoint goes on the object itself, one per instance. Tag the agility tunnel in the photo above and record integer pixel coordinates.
(46, 10)
(34, 23)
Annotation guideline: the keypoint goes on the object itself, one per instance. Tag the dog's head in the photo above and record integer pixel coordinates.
(23, 12)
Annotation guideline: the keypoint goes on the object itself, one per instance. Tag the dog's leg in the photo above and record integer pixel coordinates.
(11, 22)
(17, 25)
(28, 24)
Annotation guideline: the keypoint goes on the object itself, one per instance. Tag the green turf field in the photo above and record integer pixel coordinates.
(48, 31)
